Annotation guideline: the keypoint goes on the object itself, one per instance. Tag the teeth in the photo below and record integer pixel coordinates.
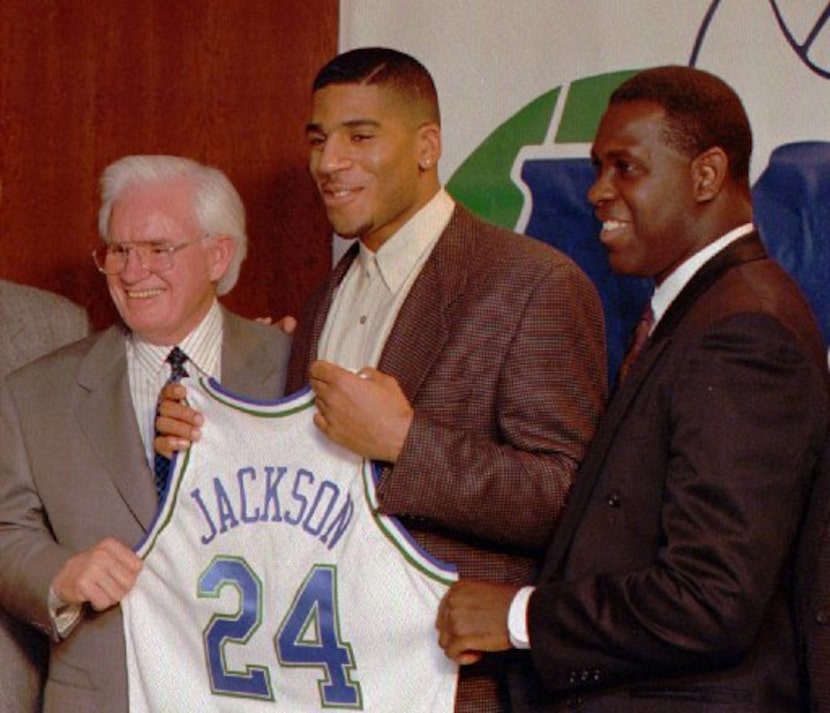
(612, 225)
(143, 293)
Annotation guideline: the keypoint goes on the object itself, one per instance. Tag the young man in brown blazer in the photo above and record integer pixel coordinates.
(33, 322)
(77, 488)
(665, 587)
(467, 360)
(481, 357)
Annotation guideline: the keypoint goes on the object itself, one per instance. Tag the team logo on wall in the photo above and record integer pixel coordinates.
(532, 173)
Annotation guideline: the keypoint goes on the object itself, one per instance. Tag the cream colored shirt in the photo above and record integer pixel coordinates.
(367, 301)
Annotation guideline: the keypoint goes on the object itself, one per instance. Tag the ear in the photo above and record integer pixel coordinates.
(710, 170)
(429, 146)
(221, 249)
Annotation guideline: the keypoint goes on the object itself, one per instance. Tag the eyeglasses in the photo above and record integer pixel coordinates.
(153, 256)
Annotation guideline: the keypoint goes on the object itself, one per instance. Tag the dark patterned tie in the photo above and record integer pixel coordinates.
(176, 358)
(638, 341)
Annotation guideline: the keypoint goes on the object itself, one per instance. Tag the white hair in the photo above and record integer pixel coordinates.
(218, 208)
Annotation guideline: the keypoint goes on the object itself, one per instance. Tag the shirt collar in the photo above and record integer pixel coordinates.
(671, 287)
(202, 346)
(401, 253)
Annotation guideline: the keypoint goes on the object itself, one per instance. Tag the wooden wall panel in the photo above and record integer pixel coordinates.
(83, 82)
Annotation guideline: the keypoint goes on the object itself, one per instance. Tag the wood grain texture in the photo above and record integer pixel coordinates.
(226, 82)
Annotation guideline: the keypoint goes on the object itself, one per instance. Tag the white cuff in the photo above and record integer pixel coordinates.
(517, 618)
(64, 616)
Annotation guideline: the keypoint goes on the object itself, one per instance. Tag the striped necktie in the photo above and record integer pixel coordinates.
(161, 465)
(638, 341)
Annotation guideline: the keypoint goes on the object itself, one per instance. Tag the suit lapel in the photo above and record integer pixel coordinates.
(743, 250)
(421, 327)
(107, 419)
(246, 368)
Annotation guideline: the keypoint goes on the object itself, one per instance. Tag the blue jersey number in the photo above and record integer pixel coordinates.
(309, 635)
(234, 628)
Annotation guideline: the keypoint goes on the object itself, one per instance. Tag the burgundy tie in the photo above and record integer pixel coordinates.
(638, 341)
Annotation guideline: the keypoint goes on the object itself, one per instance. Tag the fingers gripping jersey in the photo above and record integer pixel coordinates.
(271, 584)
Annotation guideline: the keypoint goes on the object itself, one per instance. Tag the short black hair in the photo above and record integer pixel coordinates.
(383, 66)
(701, 109)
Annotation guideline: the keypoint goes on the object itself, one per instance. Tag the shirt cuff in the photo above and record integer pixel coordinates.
(517, 618)
(64, 617)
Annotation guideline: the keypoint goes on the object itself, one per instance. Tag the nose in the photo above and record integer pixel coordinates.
(134, 268)
(331, 156)
(601, 190)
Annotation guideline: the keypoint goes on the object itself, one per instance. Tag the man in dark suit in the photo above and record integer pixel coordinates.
(77, 488)
(665, 587)
(33, 322)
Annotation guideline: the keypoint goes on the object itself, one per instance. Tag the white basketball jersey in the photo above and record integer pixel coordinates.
(270, 583)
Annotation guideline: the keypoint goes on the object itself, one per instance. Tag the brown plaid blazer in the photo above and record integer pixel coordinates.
(500, 348)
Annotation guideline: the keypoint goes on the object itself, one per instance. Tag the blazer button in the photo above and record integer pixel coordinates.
(823, 615)
(614, 500)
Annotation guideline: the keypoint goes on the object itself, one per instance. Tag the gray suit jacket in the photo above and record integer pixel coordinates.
(73, 471)
(32, 323)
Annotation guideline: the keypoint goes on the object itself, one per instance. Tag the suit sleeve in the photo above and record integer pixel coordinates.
(530, 390)
(725, 442)
(29, 555)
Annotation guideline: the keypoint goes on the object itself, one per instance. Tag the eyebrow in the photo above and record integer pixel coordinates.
(350, 124)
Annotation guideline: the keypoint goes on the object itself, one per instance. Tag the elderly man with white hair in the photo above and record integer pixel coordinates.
(78, 482)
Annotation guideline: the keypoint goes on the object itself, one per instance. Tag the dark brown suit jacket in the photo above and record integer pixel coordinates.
(500, 348)
(813, 592)
(666, 586)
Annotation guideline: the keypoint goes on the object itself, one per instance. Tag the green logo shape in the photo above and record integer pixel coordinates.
(483, 183)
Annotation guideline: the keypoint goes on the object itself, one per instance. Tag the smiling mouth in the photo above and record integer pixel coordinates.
(143, 294)
(338, 194)
(610, 228)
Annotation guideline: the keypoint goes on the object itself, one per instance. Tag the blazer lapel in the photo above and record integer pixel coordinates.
(421, 328)
(246, 368)
(743, 250)
(107, 419)
(591, 466)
